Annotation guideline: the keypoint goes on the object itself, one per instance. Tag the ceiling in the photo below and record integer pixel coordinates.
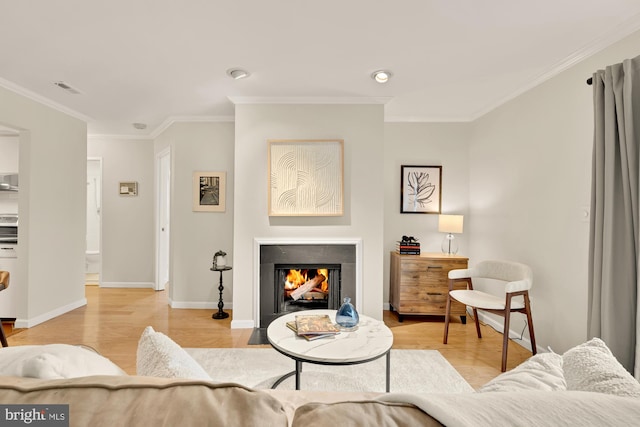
(157, 61)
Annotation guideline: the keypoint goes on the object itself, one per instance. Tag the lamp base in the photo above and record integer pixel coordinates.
(450, 244)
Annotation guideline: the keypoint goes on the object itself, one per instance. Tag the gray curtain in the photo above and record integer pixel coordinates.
(614, 244)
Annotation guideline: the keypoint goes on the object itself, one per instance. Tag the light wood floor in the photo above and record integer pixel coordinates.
(113, 320)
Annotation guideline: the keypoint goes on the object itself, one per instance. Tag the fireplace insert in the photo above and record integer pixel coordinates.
(337, 263)
(306, 287)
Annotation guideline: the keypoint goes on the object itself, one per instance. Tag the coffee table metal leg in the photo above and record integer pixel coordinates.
(282, 378)
(388, 370)
(298, 371)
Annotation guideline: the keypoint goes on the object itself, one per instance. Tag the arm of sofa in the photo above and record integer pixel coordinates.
(133, 400)
(531, 408)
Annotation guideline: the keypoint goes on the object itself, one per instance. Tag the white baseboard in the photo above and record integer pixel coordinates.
(386, 306)
(513, 335)
(128, 285)
(193, 304)
(206, 305)
(235, 324)
(243, 324)
(28, 323)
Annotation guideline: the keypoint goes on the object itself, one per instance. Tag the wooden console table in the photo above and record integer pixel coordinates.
(419, 284)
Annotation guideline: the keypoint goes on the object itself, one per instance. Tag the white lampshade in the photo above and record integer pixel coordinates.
(450, 223)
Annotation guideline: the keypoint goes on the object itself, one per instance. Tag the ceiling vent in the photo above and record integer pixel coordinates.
(66, 87)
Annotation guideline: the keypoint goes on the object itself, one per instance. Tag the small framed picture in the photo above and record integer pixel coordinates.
(209, 191)
(129, 188)
(421, 189)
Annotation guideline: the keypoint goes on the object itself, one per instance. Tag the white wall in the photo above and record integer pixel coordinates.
(425, 144)
(361, 127)
(128, 242)
(196, 236)
(52, 203)
(530, 166)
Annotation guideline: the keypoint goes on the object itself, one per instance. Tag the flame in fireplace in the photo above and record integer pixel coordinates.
(295, 278)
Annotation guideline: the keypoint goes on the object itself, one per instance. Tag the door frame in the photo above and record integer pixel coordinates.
(100, 231)
(159, 188)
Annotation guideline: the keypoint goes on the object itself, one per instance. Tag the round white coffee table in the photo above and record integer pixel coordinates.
(372, 340)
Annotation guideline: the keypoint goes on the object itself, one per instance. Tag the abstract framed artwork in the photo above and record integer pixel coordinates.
(421, 189)
(128, 188)
(305, 177)
(209, 191)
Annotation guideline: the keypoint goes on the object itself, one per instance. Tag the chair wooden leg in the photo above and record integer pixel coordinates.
(532, 335)
(505, 334)
(475, 317)
(3, 337)
(505, 341)
(446, 319)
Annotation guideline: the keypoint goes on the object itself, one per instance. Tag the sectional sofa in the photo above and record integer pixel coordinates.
(585, 386)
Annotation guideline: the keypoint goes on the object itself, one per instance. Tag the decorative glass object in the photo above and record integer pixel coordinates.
(347, 316)
(450, 224)
(219, 259)
(449, 244)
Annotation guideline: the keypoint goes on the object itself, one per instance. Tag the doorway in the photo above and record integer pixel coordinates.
(93, 252)
(163, 170)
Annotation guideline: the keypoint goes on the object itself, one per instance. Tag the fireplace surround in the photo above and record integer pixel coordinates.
(340, 258)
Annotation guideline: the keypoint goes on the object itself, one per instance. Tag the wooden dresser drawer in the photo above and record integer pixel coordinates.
(419, 283)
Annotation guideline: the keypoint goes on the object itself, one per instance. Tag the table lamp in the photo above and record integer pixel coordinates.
(450, 224)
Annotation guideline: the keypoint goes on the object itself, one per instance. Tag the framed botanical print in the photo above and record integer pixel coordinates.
(421, 189)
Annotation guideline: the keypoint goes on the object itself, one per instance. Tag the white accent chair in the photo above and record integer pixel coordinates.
(516, 280)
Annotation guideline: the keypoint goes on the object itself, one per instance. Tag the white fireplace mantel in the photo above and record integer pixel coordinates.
(260, 241)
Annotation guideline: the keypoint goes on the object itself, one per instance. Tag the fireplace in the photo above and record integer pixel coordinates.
(306, 287)
(304, 277)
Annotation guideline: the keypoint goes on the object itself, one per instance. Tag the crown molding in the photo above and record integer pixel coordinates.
(186, 119)
(427, 119)
(335, 100)
(163, 126)
(95, 136)
(42, 100)
(621, 31)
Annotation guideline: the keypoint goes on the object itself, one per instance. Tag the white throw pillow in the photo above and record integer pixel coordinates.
(159, 356)
(540, 372)
(592, 367)
(54, 361)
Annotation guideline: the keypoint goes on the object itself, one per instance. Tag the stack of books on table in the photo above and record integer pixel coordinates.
(408, 248)
(312, 327)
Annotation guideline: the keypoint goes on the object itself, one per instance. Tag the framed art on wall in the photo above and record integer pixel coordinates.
(421, 189)
(209, 191)
(305, 177)
(129, 188)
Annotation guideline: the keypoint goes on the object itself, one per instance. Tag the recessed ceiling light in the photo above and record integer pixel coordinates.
(237, 73)
(140, 126)
(381, 76)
